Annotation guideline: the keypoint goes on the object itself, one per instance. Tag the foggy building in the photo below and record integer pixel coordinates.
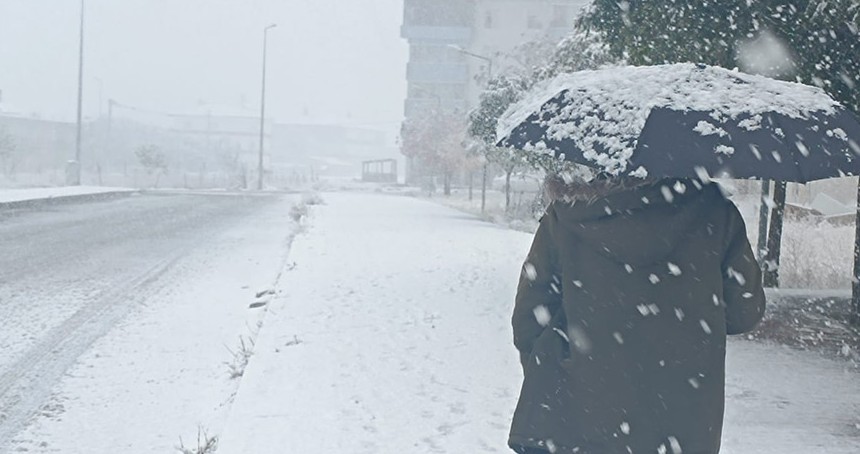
(307, 151)
(441, 76)
(37, 144)
(237, 132)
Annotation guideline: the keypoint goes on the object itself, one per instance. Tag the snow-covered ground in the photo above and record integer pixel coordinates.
(392, 335)
(119, 318)
(388, 333)
(24, 195)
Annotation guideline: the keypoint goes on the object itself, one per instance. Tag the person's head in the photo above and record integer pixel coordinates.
(582, 183)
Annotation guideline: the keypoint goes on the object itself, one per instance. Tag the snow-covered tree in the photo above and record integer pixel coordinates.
(820, 38)
(436, 140)
(501, 93)
(152, 160)
(584, 48)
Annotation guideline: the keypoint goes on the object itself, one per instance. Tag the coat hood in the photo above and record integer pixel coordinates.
(636, 224)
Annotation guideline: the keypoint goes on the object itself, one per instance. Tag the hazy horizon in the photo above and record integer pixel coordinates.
(328, 61)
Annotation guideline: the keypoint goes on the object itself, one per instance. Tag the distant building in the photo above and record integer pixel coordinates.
(220, 130)
(442, 77)
(328, 150)
(300, 149)
(439, 75)
(38, 144)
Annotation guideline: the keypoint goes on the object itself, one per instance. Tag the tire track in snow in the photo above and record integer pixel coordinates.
(134, 260)
(28, 383)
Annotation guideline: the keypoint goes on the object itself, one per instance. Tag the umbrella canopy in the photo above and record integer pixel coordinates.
(687, 120)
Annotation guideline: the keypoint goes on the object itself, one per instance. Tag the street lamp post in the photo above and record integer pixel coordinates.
(75, 177)
(263, 109)
(489, 77)
(479, 57)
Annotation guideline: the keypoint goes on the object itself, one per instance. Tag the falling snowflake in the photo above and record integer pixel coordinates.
(755, 151)
(676, 447)
(580, 340)
(648, 309)
(542, 315)
(667, 194)
(738, 277)
(703, 174)
(531, 272)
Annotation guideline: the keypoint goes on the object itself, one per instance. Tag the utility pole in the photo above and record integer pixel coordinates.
(763, 216)
(76, 171)
(263, 109)
(774, 237)
(489, 78)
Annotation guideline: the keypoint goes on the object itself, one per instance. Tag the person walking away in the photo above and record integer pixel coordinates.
(622, 311)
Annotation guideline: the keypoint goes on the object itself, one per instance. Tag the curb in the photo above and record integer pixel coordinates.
(807, 293)
(61, 200)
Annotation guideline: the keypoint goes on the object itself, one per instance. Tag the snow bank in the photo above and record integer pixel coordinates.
(32, 194)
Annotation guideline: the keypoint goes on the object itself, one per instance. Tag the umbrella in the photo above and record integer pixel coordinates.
(687, 120)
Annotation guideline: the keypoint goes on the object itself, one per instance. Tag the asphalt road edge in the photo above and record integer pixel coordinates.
(68, 199)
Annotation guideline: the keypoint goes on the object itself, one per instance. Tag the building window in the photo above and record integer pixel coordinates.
(434, 53)
(437, 91)
(560, 16)
(439, 13)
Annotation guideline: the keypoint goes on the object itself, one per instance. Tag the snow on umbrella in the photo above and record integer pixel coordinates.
(687, 120)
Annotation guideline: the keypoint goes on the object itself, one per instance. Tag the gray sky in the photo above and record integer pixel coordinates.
(329, 60)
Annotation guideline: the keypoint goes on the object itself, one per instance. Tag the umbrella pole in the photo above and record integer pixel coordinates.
(763, 215)
(774, 237)
(855, 285)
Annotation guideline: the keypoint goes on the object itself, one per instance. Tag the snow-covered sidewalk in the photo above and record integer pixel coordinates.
(22, 196)
(392, 335)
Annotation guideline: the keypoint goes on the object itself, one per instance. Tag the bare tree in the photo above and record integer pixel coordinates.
(152, 160)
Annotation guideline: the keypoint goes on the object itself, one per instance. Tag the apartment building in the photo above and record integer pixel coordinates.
(455, 45)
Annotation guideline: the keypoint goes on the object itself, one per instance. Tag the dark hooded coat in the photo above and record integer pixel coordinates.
(621, 317)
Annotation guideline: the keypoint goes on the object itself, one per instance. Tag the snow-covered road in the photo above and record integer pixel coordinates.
(87, 290)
